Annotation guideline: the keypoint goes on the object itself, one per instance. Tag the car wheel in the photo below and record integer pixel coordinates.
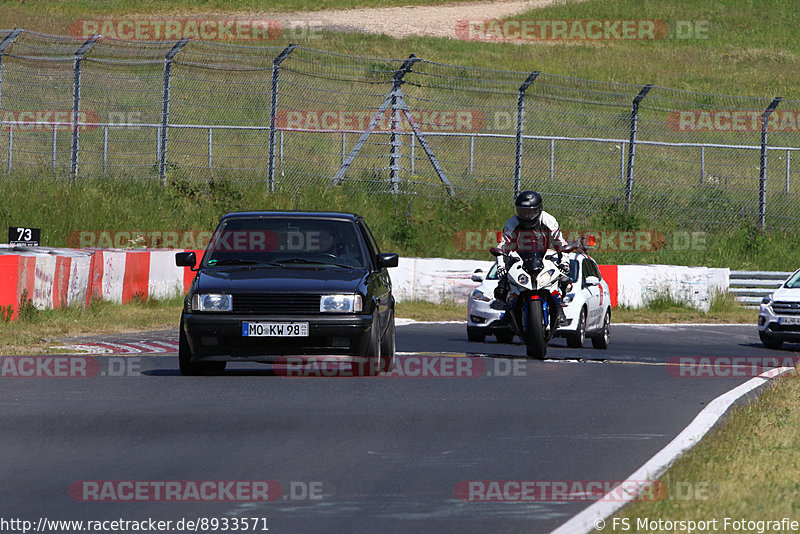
(575, 341)
(600, 341)
(185, 363)
(770, 342)
(505, 337)
(476, 334)
(388, 350)
(369, 364)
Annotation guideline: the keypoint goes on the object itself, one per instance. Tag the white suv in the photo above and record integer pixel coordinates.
(588, 306)
(779, 315)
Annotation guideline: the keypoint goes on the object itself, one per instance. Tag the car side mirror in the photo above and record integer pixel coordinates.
(477, 276)
(592, 281)
(387, 259)
(186, 259)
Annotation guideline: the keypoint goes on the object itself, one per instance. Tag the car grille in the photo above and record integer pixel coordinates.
(786, 308)
(775, 327)
(276, 303)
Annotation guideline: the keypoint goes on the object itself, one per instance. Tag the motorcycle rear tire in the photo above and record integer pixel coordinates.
(535, 343)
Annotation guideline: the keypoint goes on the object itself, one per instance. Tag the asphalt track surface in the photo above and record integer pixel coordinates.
(380, 454)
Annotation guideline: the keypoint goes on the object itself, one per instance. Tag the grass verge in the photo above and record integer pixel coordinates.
(744, 469)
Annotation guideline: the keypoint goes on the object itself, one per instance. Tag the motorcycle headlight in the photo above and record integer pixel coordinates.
(523, 279)
(212, 302)
(478, 295)
(340, 303)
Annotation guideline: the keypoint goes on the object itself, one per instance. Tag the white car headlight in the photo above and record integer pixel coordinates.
(217, 302)
(479, 295)
(340, 303)
(766, 301)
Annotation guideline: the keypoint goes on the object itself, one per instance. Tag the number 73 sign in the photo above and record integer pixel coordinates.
(18, 235)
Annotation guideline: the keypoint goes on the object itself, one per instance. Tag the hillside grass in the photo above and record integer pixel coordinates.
(411, 226)
(749, 50)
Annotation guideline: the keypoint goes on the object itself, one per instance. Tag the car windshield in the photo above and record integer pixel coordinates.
(286, 242)
(794, 281)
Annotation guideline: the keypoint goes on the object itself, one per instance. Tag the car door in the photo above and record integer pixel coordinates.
(594, 294)
(379, 282)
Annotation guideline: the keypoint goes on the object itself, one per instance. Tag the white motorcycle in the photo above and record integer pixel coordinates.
(533, 297)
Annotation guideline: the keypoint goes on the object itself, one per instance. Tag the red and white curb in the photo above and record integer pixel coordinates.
(139, 348)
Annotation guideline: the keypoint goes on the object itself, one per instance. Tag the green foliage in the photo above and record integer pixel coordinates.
(615, 216)
(27, 311)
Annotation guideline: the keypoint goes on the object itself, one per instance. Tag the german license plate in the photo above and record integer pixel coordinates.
(788, 320)
(274, 329)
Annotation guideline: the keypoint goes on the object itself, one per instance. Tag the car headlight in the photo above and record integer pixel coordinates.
(568, 298)
(766, 301)
(214, 302)
(479, 295)
(340, 303)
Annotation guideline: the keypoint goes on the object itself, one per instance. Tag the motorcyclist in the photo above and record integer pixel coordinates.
(532, 231)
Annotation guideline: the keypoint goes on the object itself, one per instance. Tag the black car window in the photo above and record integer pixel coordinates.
(285, 241)
(590, 269)
(372, 245)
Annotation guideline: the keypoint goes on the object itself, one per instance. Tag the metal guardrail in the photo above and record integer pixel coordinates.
(749, 287)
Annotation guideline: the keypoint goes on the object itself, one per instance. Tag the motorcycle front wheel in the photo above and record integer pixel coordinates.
(535, 340)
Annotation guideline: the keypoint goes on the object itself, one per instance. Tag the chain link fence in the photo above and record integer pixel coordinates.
(294, 117)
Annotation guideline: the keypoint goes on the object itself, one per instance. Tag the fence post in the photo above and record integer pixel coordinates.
(273, 111)
(702, 165)
(762, 182)
(76, 102)
(10, 146)
(210, 146)
(788, 168)
(632, 144)
(471, 154)
(162, 143)
(520, 120)
(105, 148)
(3, 45)
(55, 142)
(395, 143)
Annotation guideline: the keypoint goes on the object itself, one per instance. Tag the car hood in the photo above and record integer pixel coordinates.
(783, 293)
(270, 279)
